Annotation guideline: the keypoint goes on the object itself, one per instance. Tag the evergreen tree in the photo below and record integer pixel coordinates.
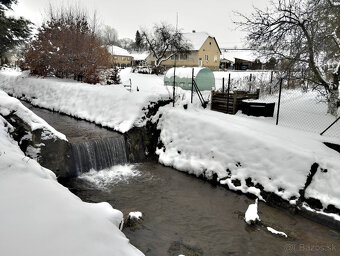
(12, 31)
(138, 41)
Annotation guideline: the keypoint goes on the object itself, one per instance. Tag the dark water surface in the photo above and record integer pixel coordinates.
(185, 215)
(75, 130)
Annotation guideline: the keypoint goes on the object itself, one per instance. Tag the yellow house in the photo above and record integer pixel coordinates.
(120, 57)
(204, 52)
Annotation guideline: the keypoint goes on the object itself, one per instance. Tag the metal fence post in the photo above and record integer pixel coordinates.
(279, 102)
(223, 84)
(192, 85)
(330, 126)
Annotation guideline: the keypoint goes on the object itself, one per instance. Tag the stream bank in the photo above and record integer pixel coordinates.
(139, 143)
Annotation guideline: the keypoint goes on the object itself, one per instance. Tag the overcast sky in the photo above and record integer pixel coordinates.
(126, 16)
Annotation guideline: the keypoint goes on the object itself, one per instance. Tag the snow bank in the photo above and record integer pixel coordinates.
(325, 185)
(111, 106)
(41, 217)
(243, 153)
(10, 105)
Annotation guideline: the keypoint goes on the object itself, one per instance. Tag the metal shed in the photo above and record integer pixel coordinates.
(204, 78)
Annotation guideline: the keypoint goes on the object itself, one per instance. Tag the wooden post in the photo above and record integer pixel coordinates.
(173, 89)
(279, 102)
(228, 94)
(234, 102)
(251, 75)
(271, 77)
(223, 84)
(192, 85)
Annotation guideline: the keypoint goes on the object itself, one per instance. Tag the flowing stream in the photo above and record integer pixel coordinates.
(183, 214)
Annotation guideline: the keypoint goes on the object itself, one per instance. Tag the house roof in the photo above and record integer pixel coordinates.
(243, 54)
(196, 39)
(139, 55)
(115, 50)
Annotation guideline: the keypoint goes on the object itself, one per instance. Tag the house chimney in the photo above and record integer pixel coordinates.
(194, 31)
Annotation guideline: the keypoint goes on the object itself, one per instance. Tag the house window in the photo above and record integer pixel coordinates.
(115, 57)
(173, 57)
(123, 58)
(209, 43)
(206, 57)
(183, 57)
(215, 58)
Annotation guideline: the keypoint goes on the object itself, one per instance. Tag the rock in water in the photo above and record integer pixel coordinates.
(133, 220)
(251, 216)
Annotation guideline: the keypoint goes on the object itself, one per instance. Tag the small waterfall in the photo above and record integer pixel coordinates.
(98, 154)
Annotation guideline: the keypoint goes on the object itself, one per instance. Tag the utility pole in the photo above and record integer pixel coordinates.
(174, 86)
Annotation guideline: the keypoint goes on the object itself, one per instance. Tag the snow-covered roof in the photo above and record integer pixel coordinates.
(139, 55)
(115, 50)
(244, 54)
(196, 39)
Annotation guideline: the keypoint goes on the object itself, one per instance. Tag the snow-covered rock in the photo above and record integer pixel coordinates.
(134, 220)
(9, 105)
(135, 215)
(251, 216)
(36, 138)
(271, 230)
(41, 217)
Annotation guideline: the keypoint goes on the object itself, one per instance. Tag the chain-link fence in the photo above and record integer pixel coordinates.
(301, 107)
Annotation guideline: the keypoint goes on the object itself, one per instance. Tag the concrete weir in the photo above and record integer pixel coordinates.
(89, 146)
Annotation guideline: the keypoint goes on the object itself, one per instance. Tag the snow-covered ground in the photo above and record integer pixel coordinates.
(300, 110)
(239, 80)
(40, 217)
(204, 142)
(112, 106)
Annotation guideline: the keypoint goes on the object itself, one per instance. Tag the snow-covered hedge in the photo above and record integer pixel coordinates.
(41, 217)
(245, 154)
(112, 106)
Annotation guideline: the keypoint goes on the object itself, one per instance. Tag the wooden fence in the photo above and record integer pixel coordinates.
(230, 104)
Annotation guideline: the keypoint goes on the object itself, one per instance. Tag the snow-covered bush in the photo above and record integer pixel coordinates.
(66, 46)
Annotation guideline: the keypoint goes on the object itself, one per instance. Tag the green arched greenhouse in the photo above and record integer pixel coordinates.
(203, 77)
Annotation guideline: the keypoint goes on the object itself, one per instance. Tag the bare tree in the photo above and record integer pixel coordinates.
(164, 42)
(126, 43)
(303, 34)
(109, 35)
